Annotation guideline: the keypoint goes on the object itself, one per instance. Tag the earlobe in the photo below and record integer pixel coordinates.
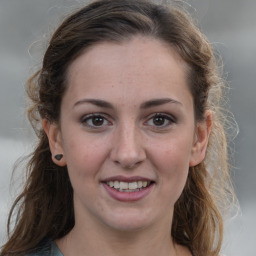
(55, 141)
(202, 134)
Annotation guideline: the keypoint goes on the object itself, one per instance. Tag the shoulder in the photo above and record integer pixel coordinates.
(46, 248)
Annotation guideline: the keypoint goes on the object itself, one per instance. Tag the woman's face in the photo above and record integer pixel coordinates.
(127, 133)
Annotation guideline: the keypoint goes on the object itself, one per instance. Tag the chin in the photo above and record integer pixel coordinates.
(129, 221)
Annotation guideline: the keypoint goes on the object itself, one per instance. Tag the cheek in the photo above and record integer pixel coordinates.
(173, 153)
(84, 156)
(172, 163)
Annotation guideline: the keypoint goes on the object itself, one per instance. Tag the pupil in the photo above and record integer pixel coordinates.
(159, 120)
(97, 121)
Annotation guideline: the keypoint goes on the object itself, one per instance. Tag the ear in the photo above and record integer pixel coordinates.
(202, 133)
(55, 141)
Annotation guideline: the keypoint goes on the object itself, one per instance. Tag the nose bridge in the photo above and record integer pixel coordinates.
(127, 148)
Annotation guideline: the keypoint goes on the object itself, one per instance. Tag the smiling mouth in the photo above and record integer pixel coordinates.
(133, 186)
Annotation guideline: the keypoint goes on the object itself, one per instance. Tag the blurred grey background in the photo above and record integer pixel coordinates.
(231, 27)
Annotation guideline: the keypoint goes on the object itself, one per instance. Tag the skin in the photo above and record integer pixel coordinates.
(127, 140)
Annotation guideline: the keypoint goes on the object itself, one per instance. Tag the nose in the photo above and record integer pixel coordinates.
(127, 148)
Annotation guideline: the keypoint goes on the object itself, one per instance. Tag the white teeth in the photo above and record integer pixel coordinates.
(133, 185)
(116, 184)
(144, 184)
(124, 185)
(128, 186)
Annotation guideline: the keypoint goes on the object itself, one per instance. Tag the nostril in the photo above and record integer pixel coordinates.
(127, 149)
(128, 165)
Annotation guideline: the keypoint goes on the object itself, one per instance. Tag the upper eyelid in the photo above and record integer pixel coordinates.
(87, 117)
(111, 119)
(169, 118)
(104, 115)
(162, 114)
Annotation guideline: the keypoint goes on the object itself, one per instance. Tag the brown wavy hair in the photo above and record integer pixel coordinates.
(45, 207)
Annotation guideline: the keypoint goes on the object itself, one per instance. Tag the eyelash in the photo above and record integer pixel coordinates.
(85, 119)
(166, 117)
(89, 118)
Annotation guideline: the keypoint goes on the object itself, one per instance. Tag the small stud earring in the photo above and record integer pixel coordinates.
(58, 157)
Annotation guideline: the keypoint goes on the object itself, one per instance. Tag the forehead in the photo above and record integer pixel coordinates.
(135, 50)
(141, 65)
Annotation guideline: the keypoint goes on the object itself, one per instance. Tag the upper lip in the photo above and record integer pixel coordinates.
(126, 179)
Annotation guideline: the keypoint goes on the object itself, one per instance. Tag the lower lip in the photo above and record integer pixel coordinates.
(128, 196)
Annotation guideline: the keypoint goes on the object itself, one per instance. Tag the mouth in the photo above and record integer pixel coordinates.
(127, 187)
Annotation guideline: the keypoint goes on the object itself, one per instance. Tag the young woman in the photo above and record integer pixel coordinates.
(132, 155)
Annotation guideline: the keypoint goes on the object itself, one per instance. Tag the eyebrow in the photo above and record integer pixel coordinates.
(96, 102)
(158, 102)
(145, 105)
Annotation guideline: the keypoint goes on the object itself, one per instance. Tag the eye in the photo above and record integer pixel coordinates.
(95, 121)
(161, 120)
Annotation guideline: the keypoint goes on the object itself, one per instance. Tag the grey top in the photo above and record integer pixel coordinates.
(48, 248)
